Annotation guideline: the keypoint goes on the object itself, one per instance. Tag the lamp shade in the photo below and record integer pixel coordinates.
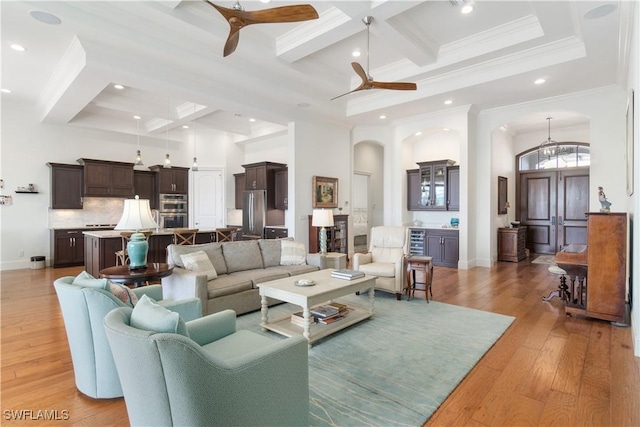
(136, 215)
(322, 218)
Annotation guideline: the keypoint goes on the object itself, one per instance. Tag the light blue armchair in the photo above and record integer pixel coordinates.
(214, 376)
(83, 310)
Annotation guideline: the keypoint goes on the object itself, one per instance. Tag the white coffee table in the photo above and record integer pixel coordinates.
(326, 289)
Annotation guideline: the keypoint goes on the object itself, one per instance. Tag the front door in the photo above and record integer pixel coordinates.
(553, 206)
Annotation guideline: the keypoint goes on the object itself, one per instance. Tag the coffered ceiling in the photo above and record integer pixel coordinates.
(168, 56)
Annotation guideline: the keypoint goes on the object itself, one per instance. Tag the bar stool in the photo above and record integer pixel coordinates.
(419, 263)
(185, 236)
(225, 234)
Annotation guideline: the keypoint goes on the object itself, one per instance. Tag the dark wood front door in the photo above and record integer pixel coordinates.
(553, 206)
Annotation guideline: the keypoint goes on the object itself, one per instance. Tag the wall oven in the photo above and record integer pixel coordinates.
(173, 220)
(173, 203)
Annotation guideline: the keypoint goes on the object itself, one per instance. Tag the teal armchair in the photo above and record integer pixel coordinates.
(214, 376)
(83, 310)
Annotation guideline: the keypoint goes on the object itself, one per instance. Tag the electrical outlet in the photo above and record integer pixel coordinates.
(21, 254)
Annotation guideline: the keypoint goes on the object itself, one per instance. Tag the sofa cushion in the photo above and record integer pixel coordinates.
(88, 281)
(270, 250)
(293, 270)
(213, 251)
(226, 284)
(149, 316)
(200, 262)
(292, 253)
(261, 275)
(382, 269)
(244, 255)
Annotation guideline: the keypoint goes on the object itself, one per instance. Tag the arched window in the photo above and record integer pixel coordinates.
(565, 155)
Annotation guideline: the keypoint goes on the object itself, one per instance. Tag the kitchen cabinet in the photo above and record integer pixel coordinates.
(429, 187)
(174, 180)
(67, 247)
(453, 188)
(337, 236)
(440, 244)
(144, 187)
(66, 186)
(282, 189)
(107, 179)
(275, 233)
(205, 237)
(261, 176)
(512, 243)
(240, 187)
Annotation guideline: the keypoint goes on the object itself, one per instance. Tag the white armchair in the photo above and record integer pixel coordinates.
(386, 259)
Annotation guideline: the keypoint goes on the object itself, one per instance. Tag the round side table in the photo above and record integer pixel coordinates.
(122, 273)
(419, 263)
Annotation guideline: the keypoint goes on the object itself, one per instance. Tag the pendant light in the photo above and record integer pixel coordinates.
(194, 167)
(548, 147)
(138, 155)
(167, 160)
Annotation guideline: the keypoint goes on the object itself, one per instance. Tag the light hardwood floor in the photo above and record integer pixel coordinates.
(547, 369)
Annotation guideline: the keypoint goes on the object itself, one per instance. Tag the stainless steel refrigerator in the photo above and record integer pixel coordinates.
(254, 213)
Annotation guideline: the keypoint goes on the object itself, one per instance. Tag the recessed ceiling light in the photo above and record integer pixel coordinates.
(356, 53)
(18, 47)
(382, 117)
(3, 90)
(44, 17)
(467, 8)
(137, 117)
(252, 119)
(448, 102)
(540, 81)
(600, 11)
(445, 129)
(418, 133)
(185, 126)
(119, 87)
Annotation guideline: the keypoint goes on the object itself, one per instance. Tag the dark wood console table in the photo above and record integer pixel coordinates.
(122, 273)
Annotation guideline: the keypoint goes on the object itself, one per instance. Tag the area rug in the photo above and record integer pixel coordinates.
(396, 368)
(545, 259)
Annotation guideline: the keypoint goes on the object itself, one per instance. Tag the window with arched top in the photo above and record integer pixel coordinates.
(558, 156)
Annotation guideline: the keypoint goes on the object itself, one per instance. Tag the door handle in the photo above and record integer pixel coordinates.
(560, 221)
(553, 220)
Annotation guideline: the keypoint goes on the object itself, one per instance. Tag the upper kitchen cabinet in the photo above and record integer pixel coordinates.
(282, 189)
(107, 179)
(144, 186)
(174, 180)
(453, 188)
(240, 187)
(428, 187)
(66, 186)
(261, 176)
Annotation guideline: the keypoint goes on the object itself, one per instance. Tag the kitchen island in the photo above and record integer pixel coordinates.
(100, 247)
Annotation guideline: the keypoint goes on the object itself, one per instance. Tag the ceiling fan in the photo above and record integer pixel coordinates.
(367, 80)
(239, 18)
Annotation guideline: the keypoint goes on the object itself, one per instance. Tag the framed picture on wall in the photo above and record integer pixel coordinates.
(325, 192)
(502, 195)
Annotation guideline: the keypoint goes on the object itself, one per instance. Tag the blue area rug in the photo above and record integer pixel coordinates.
(396, 368)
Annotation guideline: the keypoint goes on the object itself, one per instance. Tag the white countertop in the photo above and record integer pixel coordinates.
(105, 234)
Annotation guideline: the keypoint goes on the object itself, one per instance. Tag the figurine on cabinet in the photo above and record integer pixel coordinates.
(605, 204)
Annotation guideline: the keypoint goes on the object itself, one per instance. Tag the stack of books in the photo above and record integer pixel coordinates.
(298, 318)
(330, 312)
(347, 274)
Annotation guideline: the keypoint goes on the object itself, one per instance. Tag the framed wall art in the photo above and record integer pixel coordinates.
(325, 192)
(502, 195)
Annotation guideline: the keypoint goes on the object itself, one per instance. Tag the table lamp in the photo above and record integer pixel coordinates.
(322, 218)
(136, 216)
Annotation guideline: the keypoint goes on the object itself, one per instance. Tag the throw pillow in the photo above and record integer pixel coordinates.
(292, 253)
(200, 262)
(123, 293)
(88, 281)
(149, 316)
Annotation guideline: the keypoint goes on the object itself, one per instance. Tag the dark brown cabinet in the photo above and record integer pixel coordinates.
(434, 186)
(67, 247)
(205, 237)
(261, 176)
(282, 189)
(512, 243)
(174, 180)
(275, 233)
(144, 187)
(66, 186)
(337, 236)
(107, 179)
(240, 187)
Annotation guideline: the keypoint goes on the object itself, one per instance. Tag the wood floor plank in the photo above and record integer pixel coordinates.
(544, 370)
(571, 367)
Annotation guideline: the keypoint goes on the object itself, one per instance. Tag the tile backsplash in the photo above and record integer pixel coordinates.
(96, 210)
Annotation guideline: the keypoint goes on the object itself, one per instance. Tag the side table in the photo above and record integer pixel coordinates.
(122, 273)
(419, 263)
(336, 260)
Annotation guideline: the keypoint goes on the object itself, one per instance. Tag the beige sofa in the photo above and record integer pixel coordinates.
(240, 267)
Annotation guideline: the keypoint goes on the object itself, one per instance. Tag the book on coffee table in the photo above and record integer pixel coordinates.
(298, 318)
(347, 274)
(322, 311)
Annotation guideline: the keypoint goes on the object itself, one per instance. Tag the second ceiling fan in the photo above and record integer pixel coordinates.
(367, 80)
(239, 18)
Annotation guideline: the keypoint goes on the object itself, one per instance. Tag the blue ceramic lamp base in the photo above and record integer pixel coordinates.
(137, 247)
